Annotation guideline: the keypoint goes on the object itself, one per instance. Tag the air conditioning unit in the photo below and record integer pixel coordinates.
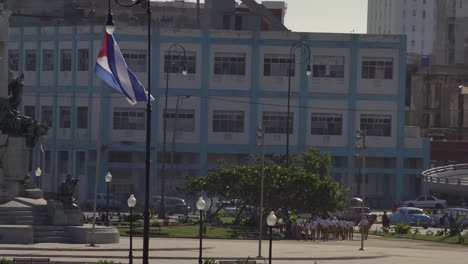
(227, 136)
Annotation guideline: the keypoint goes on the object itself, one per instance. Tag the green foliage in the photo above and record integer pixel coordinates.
(304, 186)
(415, 231)
(105, 262)
(243, 261)
(209, 261)
(402, 228)
(135, 216)
(429, 233)
(5, 261)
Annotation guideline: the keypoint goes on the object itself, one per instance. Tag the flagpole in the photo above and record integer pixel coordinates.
(134, 92)
(148, 144)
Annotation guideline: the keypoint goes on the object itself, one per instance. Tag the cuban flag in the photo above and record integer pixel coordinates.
(112, 69)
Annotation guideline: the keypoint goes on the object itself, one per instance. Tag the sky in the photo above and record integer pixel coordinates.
(339, 16)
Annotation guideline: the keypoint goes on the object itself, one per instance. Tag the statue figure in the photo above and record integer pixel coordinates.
(65, 193)
(11, 122)
(15, 91)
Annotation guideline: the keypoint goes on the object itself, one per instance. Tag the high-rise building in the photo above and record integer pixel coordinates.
(413, 18)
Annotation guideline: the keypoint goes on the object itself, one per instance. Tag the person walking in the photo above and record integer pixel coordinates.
(385, 221)
(365, 225)
(446, 222)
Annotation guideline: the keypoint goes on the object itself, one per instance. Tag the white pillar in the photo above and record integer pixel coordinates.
(4, 29)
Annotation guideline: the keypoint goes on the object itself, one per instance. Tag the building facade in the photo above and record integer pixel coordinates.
(414, 18)
(236, 81)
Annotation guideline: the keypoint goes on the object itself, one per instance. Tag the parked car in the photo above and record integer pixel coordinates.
(412, 216)
(355, 214)
(426, 201)
(459, 214)
(174, 205)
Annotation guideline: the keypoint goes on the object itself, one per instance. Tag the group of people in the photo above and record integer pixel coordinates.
(321, 228)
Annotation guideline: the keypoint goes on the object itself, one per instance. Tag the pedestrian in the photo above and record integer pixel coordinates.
(299, 229)
(385, 221)
(365, 225)
(394, 207)
(446, 222)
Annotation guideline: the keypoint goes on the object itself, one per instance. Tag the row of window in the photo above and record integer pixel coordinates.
(224, 63)
(223, 121)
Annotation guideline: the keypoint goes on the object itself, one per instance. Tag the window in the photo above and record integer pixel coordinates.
(30, 110)
(403, 28)
(377, 68)
(180, 120)
(276, 65)
(13, 59)
(376, 125)
(275, 122)
(424, 14)
(30, 60)
(63, 162)
(80, 162)
(64, 117)
(228, 121)
(136, 59)
(414, 12)
(413, 43)
(82, 117)
(328, 66)
(175, 62)
(404, 14)
(65, 60)
(83, 59)
(47, 60)
(129, 119)
(229, 63)
(413, 28)
(326, 124)
(47, 114)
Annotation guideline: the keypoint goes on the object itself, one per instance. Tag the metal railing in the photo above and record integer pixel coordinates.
(432, 175)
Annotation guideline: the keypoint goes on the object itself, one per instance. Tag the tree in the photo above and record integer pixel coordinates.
(304, 186)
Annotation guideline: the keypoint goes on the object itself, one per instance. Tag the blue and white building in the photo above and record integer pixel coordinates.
(236, 81)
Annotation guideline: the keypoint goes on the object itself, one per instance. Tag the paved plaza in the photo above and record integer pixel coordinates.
(170, 250)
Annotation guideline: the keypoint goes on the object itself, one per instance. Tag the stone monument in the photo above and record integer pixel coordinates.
(25, 216)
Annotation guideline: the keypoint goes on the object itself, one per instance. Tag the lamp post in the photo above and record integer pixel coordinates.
(131, 202)
(174, 128)
(38, 173)
(201, 206)
(146, 4)
(108, 179)
(260, 144)
(271, 221)
(462, 90)
(174, 48)
(294, 47)
(361, 136)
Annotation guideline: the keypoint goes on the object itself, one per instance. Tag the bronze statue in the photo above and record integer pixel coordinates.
(11, 122)
(65, 192)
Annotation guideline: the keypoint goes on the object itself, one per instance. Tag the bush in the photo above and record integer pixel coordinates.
(5, 261)
(402, 228)
(209, 261)
(136, 217)
(105, 262)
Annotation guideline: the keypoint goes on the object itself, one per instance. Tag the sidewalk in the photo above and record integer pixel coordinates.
(170, 250)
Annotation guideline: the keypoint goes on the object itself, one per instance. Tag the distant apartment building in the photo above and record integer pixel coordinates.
(413, 18)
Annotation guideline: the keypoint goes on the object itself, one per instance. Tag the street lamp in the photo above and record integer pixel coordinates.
(292, 56)
(174, 128)
(131, 202)
(271, 221)
(201, 206)
(361, 136)
(38, 175)
(260, 144)
(181, 66)
(108, 179)
(110, 27)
